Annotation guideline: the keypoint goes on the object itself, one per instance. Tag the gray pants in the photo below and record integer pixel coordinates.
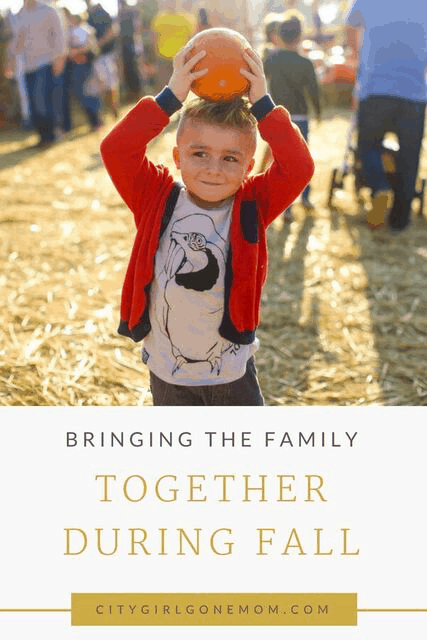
(242, 392)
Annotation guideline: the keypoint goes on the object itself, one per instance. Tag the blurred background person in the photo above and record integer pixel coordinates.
(392, 40)
(107, 33)
(10, 22)
(148, 10)
(59, 82)
(40, 39)
(80, 79)
(292, 83)
(289, 10)
(131, 48)
(271, 36)
(203, 21)
(318, 35)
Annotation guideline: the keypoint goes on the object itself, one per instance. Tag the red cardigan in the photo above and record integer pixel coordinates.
(150, 192)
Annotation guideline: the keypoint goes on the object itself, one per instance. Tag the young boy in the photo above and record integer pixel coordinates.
(291, 78)
(193, 286)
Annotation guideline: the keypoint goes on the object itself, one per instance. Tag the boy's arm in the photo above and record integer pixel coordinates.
(123, 151)
(292, 166)
(124, 148)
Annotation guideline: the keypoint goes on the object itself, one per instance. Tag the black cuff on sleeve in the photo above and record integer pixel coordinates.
(168, 101)
(263, 106)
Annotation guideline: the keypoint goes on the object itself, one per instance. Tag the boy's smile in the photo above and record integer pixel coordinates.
(213, 160)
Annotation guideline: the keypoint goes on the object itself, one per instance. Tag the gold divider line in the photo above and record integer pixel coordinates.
(391, 610)
(35, 610)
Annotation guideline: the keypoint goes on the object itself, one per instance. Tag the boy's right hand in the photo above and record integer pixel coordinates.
(183, 75)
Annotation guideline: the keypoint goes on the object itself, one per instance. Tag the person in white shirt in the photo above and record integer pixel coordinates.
(40, 38)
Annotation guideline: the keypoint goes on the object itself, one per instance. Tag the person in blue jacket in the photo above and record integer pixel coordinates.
(390, 41)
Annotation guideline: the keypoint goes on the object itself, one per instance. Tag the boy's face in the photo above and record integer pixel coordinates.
(213, 161)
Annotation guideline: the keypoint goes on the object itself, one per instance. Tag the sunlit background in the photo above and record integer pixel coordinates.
(75, 6)
(329, 9)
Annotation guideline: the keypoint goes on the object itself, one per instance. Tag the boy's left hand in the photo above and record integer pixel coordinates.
(256, 76)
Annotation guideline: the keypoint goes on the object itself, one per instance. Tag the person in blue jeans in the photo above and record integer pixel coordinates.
(392, 98)
(40, 38)
(78, 75)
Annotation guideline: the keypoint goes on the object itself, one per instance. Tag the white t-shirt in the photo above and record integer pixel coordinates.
(187, 300)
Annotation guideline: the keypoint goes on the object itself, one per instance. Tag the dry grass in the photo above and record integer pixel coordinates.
(344, 317)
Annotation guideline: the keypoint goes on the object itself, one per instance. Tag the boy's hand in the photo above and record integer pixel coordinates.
(183, 75)
(256, 76)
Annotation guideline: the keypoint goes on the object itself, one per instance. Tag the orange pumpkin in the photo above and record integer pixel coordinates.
(224, 59)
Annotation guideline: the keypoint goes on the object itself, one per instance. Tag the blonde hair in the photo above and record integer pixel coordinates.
(235, 114)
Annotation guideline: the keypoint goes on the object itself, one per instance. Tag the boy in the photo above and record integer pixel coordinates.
(291, 78)
(193, 285)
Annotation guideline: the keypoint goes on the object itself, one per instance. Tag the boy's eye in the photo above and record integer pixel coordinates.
(230, 159)
(200, 154)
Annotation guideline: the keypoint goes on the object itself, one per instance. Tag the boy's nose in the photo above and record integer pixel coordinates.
(214, 165)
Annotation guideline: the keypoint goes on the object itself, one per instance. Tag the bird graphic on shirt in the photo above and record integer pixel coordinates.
(192, 315)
